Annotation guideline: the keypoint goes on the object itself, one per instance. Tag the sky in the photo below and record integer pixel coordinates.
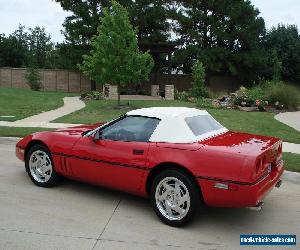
(49, 14)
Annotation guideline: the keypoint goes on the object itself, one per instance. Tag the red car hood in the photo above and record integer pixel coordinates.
(241, 143)
(79, 129)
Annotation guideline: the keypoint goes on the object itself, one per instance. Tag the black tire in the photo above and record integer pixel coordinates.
(193, 191)
(54, 178)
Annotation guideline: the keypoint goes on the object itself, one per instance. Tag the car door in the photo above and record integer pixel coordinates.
(119, 159)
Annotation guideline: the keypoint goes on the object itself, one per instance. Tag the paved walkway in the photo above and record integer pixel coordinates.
(71, 104)
(140, 97)
(291, 119)
(291, 148)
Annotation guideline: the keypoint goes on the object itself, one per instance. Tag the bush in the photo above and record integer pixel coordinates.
(286, 95)
(91, 95)
(272, 93)
(181, 96)
(199, 89)
(33, 79)
(204, 103)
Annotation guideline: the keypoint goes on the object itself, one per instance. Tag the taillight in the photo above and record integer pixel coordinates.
(259, 165)
(278, 156)
(279, 151)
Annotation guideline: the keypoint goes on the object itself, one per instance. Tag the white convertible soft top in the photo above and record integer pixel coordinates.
(181, 125)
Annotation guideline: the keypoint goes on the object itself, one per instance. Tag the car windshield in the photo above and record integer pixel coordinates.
(202, 124)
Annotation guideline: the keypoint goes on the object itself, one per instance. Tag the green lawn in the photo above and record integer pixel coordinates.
(22, 103)
(292, 162)
(254, 122)
(20, 132)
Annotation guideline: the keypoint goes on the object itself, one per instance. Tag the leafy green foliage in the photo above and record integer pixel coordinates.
(149, 16)
(199, 89)
(115, 57)
(224, 34)
(275, 93)
(283, 43)
(33, 78)
(203, 103)
(181, 96)
(286, 95)
(26, 48)
(91, 95)
(14, 49)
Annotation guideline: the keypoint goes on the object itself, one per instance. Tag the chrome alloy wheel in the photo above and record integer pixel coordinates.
(172, 198)
(40, 166)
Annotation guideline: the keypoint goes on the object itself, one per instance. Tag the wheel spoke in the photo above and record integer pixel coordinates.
(40, 166)
(172, 198)
(183, 199)
(163, 196)
(177, 188)
(33, 164)
(47, 168)
(168, 209)
(178, 210)
(168, 187)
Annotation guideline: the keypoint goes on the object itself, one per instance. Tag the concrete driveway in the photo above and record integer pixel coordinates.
(79, 216)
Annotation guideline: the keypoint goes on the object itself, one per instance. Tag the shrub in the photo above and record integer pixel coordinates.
(91, 95)
(33, 78)
(181, 96)
(273, 93)
(199, 89)
(203, 103)
(286, 95)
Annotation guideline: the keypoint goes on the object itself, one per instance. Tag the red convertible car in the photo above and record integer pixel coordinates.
(181, 158)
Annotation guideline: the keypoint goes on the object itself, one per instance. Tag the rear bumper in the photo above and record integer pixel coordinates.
(239, 194)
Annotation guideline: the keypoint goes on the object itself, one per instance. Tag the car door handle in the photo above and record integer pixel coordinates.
(138, 152)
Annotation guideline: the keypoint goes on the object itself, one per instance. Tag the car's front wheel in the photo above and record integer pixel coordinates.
(174, 197)
(40, 167)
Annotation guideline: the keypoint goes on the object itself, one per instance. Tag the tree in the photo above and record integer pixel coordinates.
(283, 46)
(40, 47)
(115, 57)
(14, 48)
(224, 34)
(199, 89)
(26, 48)
(151, 19)
(33, 78)
(149, 16)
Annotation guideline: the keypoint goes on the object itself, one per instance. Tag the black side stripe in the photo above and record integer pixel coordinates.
(102, 161)
(234, 182)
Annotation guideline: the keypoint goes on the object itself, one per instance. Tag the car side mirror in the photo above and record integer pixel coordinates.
(97, 136)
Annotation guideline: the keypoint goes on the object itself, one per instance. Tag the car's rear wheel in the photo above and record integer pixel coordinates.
(175, 197)
(40, 167)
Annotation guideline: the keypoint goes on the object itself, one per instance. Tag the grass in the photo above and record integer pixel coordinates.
(292, 162)
(255, 122)
(261, 123)
(20, 132)
(106, 110)
(22, 103)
